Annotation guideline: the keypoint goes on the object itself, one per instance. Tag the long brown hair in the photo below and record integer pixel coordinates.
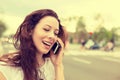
(26, 55)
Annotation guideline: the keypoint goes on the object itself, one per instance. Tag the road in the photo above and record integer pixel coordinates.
(93, 66)
(86, 64)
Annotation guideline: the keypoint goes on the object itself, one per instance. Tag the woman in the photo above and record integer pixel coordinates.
(35, 59)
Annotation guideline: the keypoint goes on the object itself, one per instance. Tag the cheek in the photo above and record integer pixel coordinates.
(37, 37)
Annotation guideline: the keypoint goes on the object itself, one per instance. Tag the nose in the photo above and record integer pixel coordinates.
(52, 36)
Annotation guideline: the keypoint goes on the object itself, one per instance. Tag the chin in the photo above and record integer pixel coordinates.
(45, 52)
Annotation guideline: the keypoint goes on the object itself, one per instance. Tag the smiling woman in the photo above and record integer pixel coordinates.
(35, 59)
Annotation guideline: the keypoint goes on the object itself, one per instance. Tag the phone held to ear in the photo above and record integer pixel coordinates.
(56, 47)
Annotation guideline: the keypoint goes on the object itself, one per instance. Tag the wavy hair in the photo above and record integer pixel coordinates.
(26, 55)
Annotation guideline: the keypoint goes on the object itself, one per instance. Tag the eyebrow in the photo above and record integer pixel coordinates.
(51, 26)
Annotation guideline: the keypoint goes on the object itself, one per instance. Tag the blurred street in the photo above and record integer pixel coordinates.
(85, 64)
(92, 67)
(91, 64)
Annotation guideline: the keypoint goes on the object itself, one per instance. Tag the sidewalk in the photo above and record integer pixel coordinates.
(92, 52)
(75, 50)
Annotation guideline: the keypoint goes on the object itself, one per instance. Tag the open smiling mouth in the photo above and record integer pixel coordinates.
(47, 44)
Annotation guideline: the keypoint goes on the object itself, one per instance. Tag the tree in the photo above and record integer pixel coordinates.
(81, 32)
(100, 21)
(100, 35)
(2, 28)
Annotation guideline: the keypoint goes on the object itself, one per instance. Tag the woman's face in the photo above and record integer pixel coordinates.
(45, 34)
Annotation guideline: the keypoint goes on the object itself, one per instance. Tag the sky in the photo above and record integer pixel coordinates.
(12, 12)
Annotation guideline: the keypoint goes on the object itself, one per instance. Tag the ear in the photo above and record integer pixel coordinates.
(31, 32)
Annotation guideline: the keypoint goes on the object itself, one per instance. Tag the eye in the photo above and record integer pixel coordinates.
(46, 29)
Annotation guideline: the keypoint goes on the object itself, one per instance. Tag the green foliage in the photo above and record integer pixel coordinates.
(2, 28)
(100, 33)
(105, 35)
(81, 32)
(80, 24)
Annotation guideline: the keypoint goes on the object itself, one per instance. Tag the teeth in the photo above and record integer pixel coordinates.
(47, 43)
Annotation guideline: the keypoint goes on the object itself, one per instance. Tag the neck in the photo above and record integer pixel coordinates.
(40, 59)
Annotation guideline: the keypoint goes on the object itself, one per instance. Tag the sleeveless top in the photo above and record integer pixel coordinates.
(16, 73)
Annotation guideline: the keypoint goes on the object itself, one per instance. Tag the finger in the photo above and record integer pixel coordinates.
(62, 47)
(61, 42)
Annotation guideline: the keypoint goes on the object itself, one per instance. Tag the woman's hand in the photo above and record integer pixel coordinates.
(57, 61)
(57, 58)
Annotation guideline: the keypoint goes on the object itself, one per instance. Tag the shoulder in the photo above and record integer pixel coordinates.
(2, 77)
(9, 71)
(4, 70)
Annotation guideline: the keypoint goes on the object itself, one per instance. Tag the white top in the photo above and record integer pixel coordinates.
(15, 73)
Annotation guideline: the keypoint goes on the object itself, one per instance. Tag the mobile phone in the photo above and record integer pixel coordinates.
(56, 47)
